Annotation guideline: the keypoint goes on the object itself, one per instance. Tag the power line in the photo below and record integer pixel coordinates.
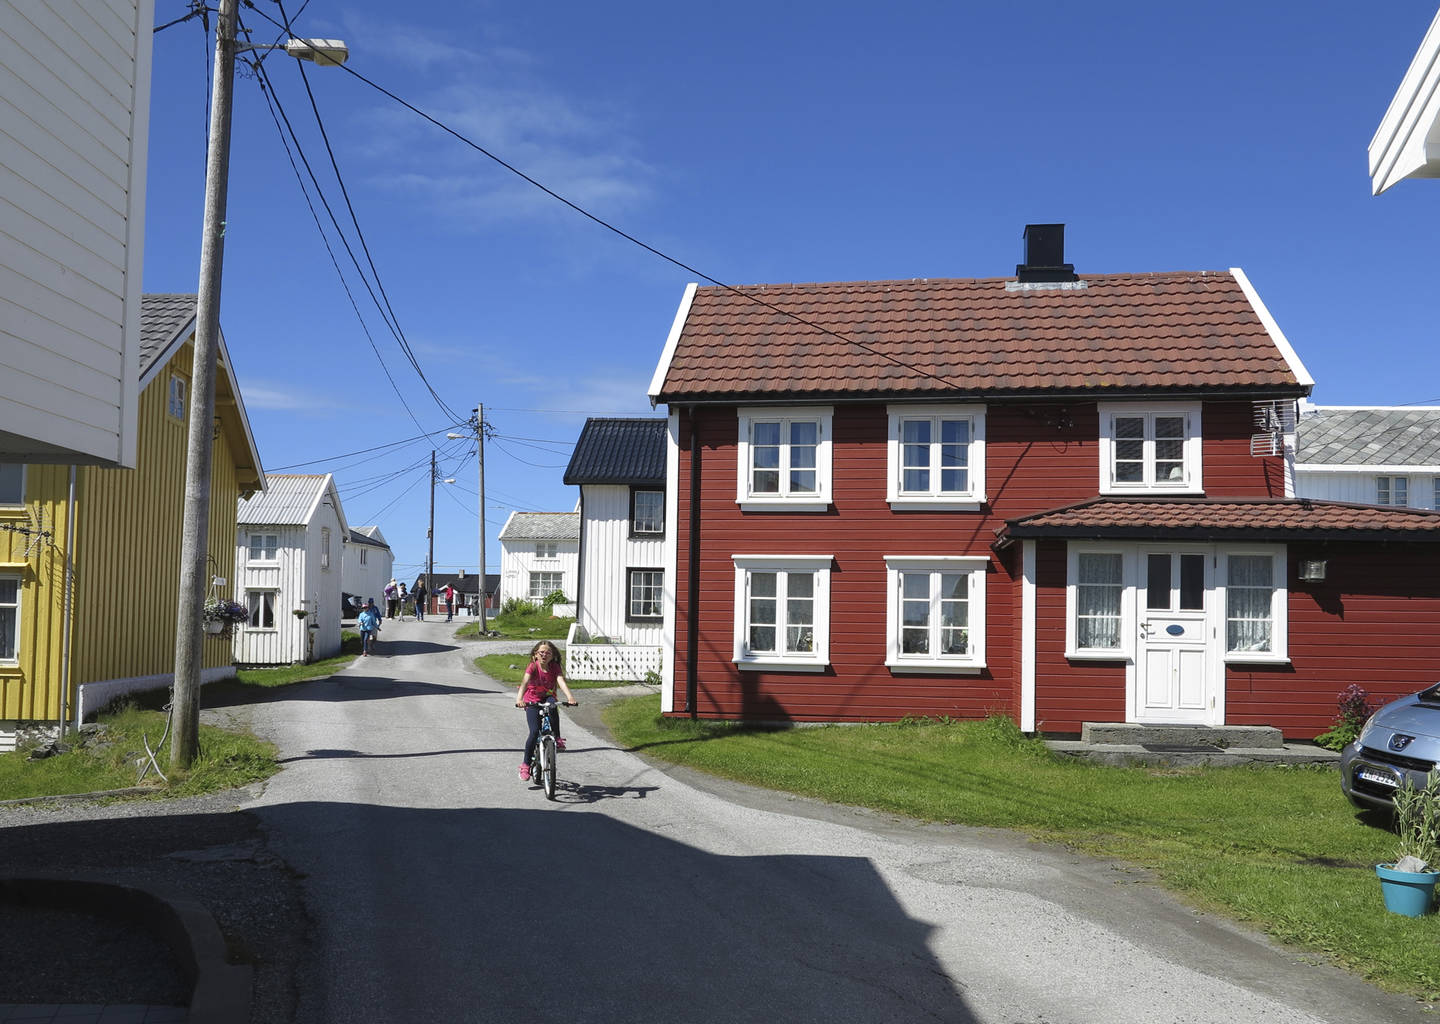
(372, 448)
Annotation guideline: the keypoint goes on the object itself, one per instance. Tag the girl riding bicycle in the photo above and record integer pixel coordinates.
(542, 676)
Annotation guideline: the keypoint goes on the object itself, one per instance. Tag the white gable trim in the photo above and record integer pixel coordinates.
(1273, 329)
(663, 367)
(1407, 143)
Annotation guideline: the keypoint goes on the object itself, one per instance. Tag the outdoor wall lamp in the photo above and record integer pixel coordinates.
(1312, 570)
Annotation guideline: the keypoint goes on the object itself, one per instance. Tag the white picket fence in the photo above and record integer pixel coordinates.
(611, 663)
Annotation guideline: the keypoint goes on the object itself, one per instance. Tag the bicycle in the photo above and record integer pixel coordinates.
(542, 759)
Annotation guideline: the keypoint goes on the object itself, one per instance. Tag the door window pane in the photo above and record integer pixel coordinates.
(1192, 582)
(1157, 582)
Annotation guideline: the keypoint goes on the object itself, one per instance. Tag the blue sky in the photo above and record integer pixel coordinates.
(756, 142)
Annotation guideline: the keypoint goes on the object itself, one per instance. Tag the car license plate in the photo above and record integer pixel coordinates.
(1382, 778)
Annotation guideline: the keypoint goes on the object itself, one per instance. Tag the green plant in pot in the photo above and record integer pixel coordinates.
(1409, 883)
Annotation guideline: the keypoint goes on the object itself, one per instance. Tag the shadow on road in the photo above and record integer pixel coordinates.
(343, 687)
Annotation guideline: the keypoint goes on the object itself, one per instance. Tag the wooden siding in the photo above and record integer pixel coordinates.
(1067, 693)
(1037, 457)
(1374, 620)
(607, 552)
(286, 643)
(74, 118)
(127, 563)
(518, 561)
(1360, 487)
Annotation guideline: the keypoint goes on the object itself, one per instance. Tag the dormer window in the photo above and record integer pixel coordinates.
(1152, 449)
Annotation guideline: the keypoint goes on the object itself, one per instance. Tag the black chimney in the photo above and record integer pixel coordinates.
(1045, 255)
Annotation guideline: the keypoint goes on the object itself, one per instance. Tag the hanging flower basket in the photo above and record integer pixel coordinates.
(215, 626)
(220, 617)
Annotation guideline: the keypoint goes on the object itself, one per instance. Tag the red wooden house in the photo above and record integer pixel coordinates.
(1062, 498)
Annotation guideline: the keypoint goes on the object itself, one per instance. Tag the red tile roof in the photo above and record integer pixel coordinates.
(1226, 519)
(1106, 333)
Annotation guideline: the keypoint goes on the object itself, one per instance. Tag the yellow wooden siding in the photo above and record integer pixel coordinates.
(127, 570)
(30, 690)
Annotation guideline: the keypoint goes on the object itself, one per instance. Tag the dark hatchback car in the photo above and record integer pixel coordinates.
(1400, 741)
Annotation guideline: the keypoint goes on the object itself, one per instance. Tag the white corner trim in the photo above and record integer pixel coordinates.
(663, 367)
(1027, 636)
(1276, 335)
(671, 562)
(1399, 148)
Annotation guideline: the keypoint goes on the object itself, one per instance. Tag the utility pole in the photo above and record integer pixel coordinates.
(430, 533)
(480, 449)
(195, 532)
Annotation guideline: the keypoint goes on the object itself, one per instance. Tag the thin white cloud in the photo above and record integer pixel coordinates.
(260, 396)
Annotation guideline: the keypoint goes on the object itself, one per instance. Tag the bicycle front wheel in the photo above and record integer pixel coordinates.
(547, 766)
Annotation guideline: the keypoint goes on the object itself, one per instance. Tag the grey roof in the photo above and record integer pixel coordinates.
(619, 451)
(357, 537)
(1368, 437)
(542, 526)
(162, 317)
(287, 500)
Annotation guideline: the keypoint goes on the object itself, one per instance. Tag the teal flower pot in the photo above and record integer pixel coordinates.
(1407, 892)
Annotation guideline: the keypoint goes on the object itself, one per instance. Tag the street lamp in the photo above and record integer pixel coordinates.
(189, 641)
(480, 458)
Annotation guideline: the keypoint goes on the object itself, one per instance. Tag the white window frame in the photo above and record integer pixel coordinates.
(324, 549)
(976, 568)
(547, 549)
(968, 500)
(630, 582)
(1390, 486)
(20, 498)
(1193, 481)
(1279, 605)
(559, 584)
(364, 552)
(815, 660)
(817, 501)
(262, 593)
(273, 540)
(19, 581)
(640, 528)
(1128, 595)
(176, 397)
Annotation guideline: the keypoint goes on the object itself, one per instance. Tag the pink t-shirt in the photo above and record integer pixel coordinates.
(539, 684)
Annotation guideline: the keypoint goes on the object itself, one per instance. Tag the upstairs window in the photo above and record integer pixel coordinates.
(1150, 449)
(647, 513)
(1392, 490)
(12, 483)
(175, 400)
(363, 553)
(325, 548)
(784, 459)
(936, 457)
(264, 547)
(547, 549)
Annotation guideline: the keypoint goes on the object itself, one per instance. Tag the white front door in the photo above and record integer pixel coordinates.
(1175, 671)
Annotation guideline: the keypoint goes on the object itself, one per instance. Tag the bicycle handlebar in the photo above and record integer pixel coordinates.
(540, 703)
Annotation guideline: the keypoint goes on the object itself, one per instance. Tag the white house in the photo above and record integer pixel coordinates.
(619, 466)
(1407, 143)
(367, 565)
(74, 130)
(539, 554)
(288, 558)
(1372, 455)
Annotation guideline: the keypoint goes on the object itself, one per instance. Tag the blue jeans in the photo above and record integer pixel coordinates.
(366, 639)
(532, 716)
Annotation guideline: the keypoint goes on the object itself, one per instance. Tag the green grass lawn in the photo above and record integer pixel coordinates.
(499, 668)
(284, 675)
(1278, 847)
(539, 625)
(106, 760)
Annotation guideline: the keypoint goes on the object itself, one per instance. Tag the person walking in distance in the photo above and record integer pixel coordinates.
(392, 599)
(402, 600)
(449, 592)
(420, 595)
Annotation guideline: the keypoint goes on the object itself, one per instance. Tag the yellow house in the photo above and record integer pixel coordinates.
(90, 557)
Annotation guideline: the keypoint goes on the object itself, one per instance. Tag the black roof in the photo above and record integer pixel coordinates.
(466, 584)
(612, 450)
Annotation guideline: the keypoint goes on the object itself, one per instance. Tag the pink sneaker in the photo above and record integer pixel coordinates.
(559, 744)
(524, 773)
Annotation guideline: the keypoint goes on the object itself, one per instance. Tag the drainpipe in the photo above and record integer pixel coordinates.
(692, 624)
(65, 618)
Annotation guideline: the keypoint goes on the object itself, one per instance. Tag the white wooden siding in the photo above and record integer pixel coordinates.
(367, 580)
(74, 130)
(1360, 487)
(609, 552)
(518, 560)
(286, 643)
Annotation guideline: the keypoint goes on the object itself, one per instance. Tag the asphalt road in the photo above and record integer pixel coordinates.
(440, 887)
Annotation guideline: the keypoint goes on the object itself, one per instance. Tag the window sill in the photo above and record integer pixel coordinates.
(1098, 656)
(1255, 658)
(783, 505)
(1117, 489)
(932, 667)
(904, 504)
(779, 665)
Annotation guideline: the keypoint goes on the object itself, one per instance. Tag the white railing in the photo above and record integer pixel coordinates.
(611, 663)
